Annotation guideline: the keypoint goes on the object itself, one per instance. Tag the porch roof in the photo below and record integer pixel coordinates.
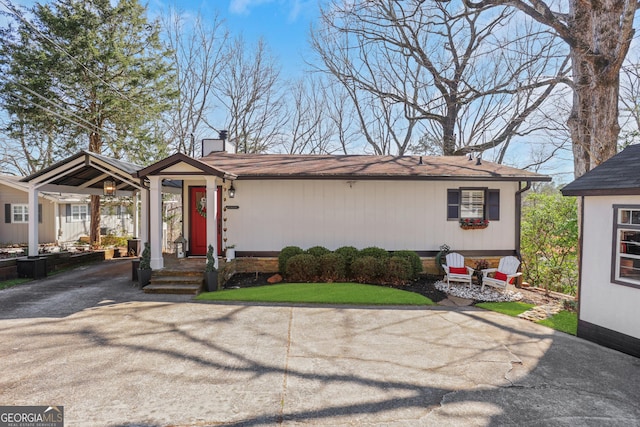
(277, 166)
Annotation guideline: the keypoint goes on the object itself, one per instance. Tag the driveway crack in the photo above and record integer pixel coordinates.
(283, 395)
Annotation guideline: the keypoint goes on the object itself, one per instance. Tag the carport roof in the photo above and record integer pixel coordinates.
(87, 170)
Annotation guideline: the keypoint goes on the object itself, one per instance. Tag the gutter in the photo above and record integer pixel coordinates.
(518, 232)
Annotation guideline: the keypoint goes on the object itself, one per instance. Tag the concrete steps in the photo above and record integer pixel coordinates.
(175, 282)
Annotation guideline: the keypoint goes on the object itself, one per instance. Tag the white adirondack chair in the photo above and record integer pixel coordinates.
(508, 267)
(456, 261)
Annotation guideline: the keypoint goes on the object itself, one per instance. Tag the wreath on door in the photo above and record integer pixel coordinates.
(201, 206)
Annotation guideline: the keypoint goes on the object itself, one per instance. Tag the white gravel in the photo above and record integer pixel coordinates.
(474, 293)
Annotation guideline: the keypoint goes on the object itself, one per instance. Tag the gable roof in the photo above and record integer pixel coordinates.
(617, 175)
(278, 166)
(177, 158)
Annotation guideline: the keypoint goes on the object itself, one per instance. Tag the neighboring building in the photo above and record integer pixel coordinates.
(62, 217)
(609, 284)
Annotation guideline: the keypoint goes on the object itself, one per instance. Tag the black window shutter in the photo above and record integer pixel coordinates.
(67, 212)
(453, 204)
(40, 213)
(7, 213)
(493, 205)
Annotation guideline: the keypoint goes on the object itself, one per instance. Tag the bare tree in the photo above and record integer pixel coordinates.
(310, 126)
(198, 46)
(630, 104)
(251, 93)
(450, 70)
(598, 35)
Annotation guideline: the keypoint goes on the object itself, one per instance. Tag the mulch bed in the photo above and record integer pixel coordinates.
(424, 286)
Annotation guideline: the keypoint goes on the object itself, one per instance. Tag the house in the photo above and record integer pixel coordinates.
(264, 202)
(609, 281)
(260, 203)
(62, 217)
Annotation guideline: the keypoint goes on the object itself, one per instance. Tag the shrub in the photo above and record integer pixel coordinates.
(367, 269)
(302, 268)
(112, 240)
(284, 256)
(413, 259)
(398, 270)
(348, 253)
(332, 267)
(318, 251)
(374, 252)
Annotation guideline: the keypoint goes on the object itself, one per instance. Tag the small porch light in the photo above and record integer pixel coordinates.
(232, 191)
(109, 188)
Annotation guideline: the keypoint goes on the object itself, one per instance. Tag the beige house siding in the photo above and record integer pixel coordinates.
(393, 215)
(11, 233)
(603, 303)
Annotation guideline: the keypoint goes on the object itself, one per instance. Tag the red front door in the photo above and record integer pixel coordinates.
(198, 220)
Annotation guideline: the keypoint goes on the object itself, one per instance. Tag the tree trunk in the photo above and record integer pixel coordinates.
(601, 34)
(594, 116)
(95, 143)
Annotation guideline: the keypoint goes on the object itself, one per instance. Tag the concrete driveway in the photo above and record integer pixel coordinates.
(113, 356)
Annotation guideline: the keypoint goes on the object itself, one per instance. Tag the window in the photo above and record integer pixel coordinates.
(79, 213)
(473, 203)
(20, 213)
(627, 251)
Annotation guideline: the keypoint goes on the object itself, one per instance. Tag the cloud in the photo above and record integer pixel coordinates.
(243, 7)
(293, 9)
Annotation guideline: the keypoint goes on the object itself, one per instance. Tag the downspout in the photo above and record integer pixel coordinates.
(519, 215)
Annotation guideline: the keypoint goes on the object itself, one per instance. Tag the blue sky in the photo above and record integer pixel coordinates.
(283, 24)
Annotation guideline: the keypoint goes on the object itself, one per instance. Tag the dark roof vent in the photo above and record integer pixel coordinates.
(420, 161)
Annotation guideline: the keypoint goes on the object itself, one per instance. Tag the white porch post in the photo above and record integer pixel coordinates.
(144, 216)
(212, 229)
(136, 217)
(33, 220)
(56, 213)
(155, 218)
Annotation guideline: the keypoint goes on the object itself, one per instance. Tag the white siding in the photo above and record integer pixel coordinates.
(393, 215)
(604, 303)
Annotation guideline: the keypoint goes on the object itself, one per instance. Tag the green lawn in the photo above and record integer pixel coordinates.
(565, 321)
(13, 282)
(511, 308)
(320, 293)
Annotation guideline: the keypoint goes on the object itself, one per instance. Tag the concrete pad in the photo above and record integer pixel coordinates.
(454, 301)
(161, 363)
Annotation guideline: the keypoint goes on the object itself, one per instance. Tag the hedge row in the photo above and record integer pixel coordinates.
(369, 265)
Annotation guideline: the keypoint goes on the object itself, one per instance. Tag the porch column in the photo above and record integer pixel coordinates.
(135, 216)
(212, 214)
(155, 219)
(33, 219)
(144, 216)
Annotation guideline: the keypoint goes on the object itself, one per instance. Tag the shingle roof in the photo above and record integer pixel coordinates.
(617, 175)
(276, 166)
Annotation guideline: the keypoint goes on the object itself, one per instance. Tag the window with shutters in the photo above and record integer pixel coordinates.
(473, 203)
(19, 213)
